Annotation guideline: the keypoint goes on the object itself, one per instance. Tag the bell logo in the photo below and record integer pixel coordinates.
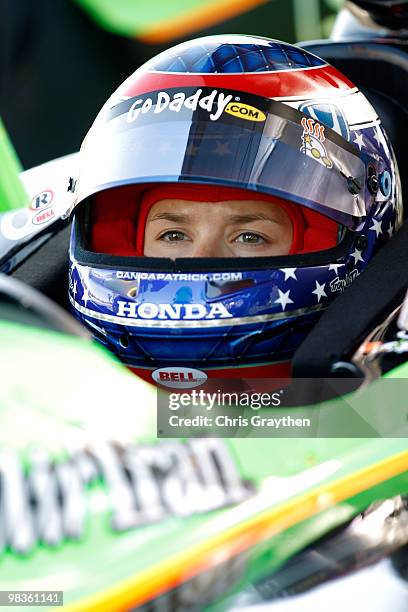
(179, 378)
(43, 216)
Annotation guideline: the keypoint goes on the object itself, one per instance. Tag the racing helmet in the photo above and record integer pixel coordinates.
(227, 118)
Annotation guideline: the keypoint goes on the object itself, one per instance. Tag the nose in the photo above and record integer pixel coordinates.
(211, 245)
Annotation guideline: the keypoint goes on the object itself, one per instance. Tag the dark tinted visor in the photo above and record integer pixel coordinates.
(229, 138)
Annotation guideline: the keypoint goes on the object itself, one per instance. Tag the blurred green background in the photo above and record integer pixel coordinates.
(61, 59)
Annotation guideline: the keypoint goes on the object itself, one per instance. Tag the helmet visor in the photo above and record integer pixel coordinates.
(228, 138)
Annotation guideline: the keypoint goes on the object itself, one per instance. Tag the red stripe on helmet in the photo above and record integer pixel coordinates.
(306, 83)
(265, 372)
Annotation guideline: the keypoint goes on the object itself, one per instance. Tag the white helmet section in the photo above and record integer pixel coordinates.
(50, 188)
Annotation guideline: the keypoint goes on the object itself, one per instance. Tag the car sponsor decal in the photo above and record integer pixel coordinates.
(45, 502)
(42, 200)
(44, 216)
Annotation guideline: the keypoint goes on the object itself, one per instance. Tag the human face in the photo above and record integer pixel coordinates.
(233, 228)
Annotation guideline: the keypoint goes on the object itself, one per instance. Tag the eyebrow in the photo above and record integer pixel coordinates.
(235, 219)
(168, 216)
(249, 218)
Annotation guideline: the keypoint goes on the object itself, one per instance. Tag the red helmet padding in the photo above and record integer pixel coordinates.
(116, 203)
(211, 193)
(113, 228)
(119, 216)
(321, 232)
(114, 237)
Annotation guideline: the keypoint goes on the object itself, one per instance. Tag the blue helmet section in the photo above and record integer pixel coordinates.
(209, 57)
(207, 320)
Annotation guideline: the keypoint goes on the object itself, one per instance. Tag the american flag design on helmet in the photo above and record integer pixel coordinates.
(245, 112)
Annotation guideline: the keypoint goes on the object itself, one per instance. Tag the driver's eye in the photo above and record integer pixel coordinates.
(173, 236)
(249, 238)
